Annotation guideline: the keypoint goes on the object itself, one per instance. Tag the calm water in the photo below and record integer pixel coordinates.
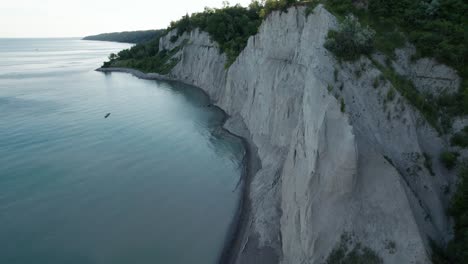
(156, 182)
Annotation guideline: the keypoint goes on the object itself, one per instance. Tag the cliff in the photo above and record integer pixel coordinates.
(338, 162)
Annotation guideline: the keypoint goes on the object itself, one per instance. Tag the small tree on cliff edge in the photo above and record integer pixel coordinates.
(113, 56)
(350, 40)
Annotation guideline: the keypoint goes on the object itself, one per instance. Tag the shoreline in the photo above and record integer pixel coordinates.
(234, 242)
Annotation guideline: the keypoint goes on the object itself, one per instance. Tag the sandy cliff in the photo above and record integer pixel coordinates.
(323, 173)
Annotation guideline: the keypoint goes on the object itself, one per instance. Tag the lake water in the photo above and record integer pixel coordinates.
(156, 182)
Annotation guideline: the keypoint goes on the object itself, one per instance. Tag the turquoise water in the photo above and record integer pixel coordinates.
(156, 182)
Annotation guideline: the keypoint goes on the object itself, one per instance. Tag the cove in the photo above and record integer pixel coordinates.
(156, 182)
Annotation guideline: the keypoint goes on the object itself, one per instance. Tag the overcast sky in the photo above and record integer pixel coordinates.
(78, 18)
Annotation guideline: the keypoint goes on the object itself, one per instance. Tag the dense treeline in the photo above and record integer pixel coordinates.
(128, 36)
(436, 27)
(230, 27)
(145, 57)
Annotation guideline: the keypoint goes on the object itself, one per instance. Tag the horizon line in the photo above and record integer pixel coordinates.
(39, 37)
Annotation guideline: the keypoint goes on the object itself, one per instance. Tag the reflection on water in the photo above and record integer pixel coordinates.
(153, 183)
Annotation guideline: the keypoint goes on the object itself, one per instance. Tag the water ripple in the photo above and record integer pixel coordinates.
(78, 188)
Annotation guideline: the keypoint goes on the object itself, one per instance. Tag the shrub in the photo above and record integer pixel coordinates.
(391, 95)
(339, 7)
(343, 106)
(351, 40)
(113, 56)
(273, 5)
(449, 159)
(391, 247)
(428, 163)
(311, 6)
(348, 252)
(460, 139)
(174, 38)
(376, 83)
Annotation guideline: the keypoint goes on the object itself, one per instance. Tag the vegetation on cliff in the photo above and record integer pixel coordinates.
(145, 57)
(349, 251)
(230, 27)
(435, 27)
(449, 159)
(460, 139)
(351, 40)
(128, 36)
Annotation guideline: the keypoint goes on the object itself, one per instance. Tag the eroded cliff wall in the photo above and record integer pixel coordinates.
(336, 157)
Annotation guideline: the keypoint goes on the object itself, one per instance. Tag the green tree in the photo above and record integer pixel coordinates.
(113, 56)
(449, 159)
(351, 39)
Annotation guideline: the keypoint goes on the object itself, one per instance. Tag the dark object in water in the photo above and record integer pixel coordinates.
(108, 114)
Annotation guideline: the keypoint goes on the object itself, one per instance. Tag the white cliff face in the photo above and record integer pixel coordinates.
(201, 62)
(323, 172)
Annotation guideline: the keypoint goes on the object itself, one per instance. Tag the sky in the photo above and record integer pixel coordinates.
(79, 18)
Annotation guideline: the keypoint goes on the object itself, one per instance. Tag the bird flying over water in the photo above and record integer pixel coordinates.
(108, 114)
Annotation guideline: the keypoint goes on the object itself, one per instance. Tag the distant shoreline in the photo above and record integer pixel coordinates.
(122, 42)
(132, 37)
